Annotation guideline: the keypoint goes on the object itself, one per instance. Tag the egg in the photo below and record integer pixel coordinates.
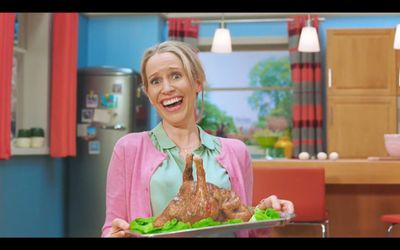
(304, 156)
(333, 156)
(322, 156)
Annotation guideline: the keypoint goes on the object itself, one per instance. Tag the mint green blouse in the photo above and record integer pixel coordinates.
(167, 179)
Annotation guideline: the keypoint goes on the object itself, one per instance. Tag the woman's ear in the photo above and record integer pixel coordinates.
(143, 89)
(199, 86)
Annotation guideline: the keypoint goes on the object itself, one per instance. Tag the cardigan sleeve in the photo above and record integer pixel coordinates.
(248, 177)
(116, 206)
(242, 154)
(248, 185)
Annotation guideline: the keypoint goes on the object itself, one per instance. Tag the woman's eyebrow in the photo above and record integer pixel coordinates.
(169, 68)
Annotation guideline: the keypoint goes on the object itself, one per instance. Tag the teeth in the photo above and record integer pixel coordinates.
(171, 101)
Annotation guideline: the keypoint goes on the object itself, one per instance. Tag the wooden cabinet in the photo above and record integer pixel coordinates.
(398, 72)
(356, 124)
(361, 62)
(362, 84)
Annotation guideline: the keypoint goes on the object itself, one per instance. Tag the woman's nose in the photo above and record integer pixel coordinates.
(166, 86)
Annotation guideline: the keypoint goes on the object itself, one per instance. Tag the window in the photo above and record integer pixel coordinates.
(248, 95)
(31, 76)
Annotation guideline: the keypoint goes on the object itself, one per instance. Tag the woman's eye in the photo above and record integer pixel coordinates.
(176, 76)
(155, 81)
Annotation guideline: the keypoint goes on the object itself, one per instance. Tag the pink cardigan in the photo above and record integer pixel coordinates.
(135, 159)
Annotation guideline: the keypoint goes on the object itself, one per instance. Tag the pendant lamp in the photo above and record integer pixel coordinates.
(222, 40)
(309, 38)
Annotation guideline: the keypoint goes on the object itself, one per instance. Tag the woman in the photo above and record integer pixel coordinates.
(145, 171)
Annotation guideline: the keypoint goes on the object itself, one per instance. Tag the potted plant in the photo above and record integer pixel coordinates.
(23, 138)
(37, 137)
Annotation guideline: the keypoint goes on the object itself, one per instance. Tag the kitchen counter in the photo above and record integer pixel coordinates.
(345, 171)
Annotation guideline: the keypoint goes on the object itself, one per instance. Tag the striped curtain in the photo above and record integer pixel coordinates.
(182, 29)
(307, 104)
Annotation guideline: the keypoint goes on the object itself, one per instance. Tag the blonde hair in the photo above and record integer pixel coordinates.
(190, 61)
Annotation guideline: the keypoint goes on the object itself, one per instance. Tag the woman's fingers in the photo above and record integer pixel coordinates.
(120, 223)
(119, 234)
(117, 228)
(277, 204)
(269, 202)
(287, 206)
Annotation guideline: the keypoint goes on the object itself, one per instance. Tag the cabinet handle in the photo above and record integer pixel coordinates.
(329, 78)
(398, 80)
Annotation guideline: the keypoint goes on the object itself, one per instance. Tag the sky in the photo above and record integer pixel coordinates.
(232, 70)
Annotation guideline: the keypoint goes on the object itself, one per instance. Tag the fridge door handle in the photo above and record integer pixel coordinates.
(114, 127)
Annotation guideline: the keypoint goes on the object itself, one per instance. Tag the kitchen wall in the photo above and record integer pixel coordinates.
(83, 41)
(33, 188)
(32, 197)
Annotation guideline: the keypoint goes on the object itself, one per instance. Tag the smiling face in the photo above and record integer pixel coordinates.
(170, 90)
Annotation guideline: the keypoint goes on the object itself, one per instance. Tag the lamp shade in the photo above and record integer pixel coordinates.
(309, 40)
(222, 41)
(396, 44)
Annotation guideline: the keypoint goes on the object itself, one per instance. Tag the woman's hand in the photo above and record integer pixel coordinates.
(117, 228)
(283, 206)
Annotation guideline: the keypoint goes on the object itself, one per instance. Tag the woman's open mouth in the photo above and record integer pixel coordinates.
(172, 104)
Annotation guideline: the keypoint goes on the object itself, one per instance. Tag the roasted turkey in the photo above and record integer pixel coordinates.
(198, 200)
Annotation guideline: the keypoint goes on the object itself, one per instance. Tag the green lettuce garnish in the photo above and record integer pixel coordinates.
(174, 225)
(232, 221)
(207, 222)
(267, 214)
(145, 225)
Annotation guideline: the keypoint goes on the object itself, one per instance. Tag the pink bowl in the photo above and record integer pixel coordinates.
(392, 144)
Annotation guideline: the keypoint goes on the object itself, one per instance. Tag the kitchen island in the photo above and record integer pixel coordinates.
(358, 192)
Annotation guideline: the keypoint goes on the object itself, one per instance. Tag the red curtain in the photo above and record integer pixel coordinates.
(307, 103)
(183, 29)
(6, 54)
(63, 85)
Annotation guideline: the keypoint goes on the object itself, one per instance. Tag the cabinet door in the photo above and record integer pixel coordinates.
(356, 125)
(398, 72)
(361, 62)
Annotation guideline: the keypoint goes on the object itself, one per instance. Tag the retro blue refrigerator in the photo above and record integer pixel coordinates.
(110, 104)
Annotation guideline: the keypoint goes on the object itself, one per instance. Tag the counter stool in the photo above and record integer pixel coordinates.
(304, 186)
(393, 219)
